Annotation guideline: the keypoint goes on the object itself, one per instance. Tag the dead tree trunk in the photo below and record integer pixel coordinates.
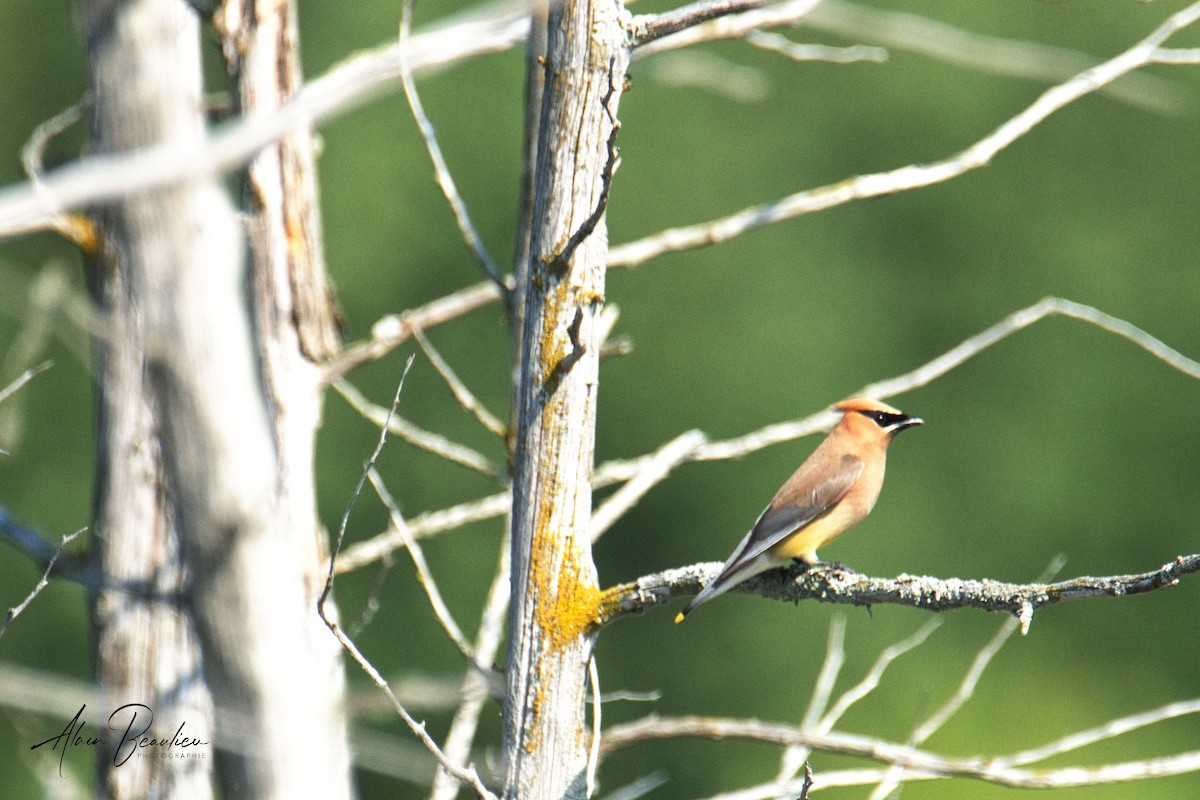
(561, 292)
(146, 647)
(207, 421)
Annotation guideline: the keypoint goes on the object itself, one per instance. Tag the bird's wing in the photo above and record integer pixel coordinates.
(778, 522)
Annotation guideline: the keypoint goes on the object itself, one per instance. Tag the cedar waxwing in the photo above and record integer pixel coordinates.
(830, 493)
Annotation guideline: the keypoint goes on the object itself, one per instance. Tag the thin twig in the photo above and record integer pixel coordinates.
(654, 470)
(778, 43)
(429, 442)
(24, 378)
(593, 762)
(468, 775)
(431, 523)
(394, 330)
(43, 553)
(843, 586)
(358, 487)
(794, 758)
(640, 787)
(32, 160)
(645, 28)
(14, 612)
(930, 371)
(992, 55)
(444, 179)
(1018, 320)
(994, 769)
(871, 680)
(912, 176)
(824, 721)
(1176, 55)
(831, 667)
(476, 686)
(1108, 730)
(964, 692)
(736, 26)
(465, 397)
(440, 610)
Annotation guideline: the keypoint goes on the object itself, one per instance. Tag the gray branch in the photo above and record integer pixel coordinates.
(836, 584)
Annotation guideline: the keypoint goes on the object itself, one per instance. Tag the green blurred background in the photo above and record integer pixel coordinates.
(1061, 440)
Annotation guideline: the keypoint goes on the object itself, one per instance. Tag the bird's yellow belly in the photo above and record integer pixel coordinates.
(804, 543)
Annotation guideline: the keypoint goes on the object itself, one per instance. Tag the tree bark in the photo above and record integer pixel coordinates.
(230, 402)
(560, 292)
(146, 89)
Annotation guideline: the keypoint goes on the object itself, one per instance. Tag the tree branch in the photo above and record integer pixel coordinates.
(837, 585)
(394, 330)
(648, 27)
(42, 583)
(912, 176)
(999, 770)
(445, 180)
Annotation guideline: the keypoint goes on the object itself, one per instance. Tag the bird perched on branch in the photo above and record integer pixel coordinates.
(831, 492)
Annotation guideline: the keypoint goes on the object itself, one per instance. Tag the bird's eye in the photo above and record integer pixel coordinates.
(882, 418)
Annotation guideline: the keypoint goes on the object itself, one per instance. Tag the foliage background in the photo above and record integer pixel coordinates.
(1061, 440)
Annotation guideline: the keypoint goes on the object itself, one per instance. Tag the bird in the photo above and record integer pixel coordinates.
(831, 492)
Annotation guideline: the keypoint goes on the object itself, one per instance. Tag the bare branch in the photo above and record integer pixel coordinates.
(912, 176)
(794, 758)
(653, 471)
(429, 524)
(43, 553)
(358, 487)
(444, 179)
(1176, 55)
(440, 610)
(14, 612)
(731, 27)
(818, 720)
(965, 691)
(477, 686)
(467, 775)
(836, 585)
(417, 437)
(74, 227)
(648, 27)
(24, 378)
(392, 331)
(778, 43)
(993, 55)
(997, 770)
(1108, 730)
(1046, 307)
(593, 762)
(871, 680)
(465, 397)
